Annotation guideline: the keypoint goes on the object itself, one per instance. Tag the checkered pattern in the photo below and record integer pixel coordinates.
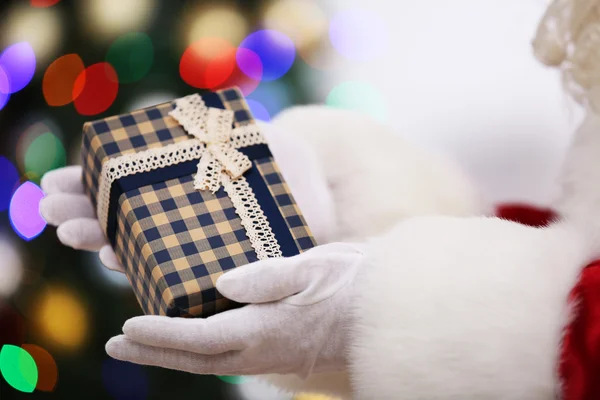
(174, 240)
(288, 207)
(141, 130)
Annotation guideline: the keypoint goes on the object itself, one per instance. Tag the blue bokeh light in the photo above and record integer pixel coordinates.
(123, 380)
(3, 84)
(258, 110)
(18, 63)
(275, 50)
(9, 178)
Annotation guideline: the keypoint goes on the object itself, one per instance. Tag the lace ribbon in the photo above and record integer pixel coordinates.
(215, 144)
(213, 127)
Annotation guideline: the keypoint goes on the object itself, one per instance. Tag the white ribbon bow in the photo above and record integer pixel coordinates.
(212, 127)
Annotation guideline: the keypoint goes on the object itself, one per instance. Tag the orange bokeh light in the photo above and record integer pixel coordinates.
(208, 63)
(59, 80)
(98, 86)
(47, 369)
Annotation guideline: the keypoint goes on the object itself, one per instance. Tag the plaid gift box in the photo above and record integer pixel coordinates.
(185, 191)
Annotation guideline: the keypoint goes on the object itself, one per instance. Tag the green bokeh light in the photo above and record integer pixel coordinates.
(18, 368)
(359, 96)
(132, 56)
(235, 380)
(44, 154)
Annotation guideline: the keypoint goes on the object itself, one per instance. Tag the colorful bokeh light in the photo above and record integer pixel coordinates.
(43, 3)
(359, 35)
(18, 368)
(132, 56)
(207, 63)
(11, 269)
(18, 63)
(59, 80)
(123, 380)
(359, 96)
(62, 318)
(44, 154)
(3, 84)
(234, 380)
(258, 110)
(275, 50)
(239, 78)
(108, 19)
(24, 211)
(98, 86)
(9, 178)
(215, 20)
(303, 21)
(46, 366)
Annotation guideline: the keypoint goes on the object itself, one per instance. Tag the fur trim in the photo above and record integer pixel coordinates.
(463, 308)
(376, 177)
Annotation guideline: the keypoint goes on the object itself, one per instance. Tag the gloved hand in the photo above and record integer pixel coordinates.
(296, 321)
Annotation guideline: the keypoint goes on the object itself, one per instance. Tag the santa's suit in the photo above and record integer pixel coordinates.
(464, 306)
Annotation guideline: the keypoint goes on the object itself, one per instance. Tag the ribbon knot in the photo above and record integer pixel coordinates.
(214, 128)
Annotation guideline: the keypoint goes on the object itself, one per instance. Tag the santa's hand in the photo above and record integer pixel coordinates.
(296, 321)
(67, 207)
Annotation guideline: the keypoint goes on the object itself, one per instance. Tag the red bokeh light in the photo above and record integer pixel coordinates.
(47, 369)
(43, 3)
(98, 86)
(238, 78)
(59, 80)
(208, 63)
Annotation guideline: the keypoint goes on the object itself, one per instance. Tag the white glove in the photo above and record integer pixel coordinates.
(67, 207)
(296, 321)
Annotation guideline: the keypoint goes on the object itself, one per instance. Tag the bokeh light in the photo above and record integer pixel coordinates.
(107, 19)
(11, 269)
(132, 56)
(257, 389)
(61, 318)
(43, 3)
(303, 21)
(13, 326)
(123, 380)
(275, 50)
(46, 366)
(309, 396)
(258, 110)
(40, 27)
(18, 65)
(239, 78)
(215, 20)
(9, 178)
(24, 211)
(359, 96)
(234, 380)
(26, 139)
(59, 80)
(274, 96)
(18, 368)
(111, 278)
(44, 154)
(358, 34)
(3, 84)
(207, 63)
(100, 88)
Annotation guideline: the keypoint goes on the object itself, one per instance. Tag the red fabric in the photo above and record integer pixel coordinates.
(579, 365)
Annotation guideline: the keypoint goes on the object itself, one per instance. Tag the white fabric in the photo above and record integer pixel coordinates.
(463, 308)
(296, 321)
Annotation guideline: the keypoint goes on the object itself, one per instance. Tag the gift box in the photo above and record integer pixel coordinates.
(185, 191)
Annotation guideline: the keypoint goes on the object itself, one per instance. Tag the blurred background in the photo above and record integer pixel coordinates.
(455, 77)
